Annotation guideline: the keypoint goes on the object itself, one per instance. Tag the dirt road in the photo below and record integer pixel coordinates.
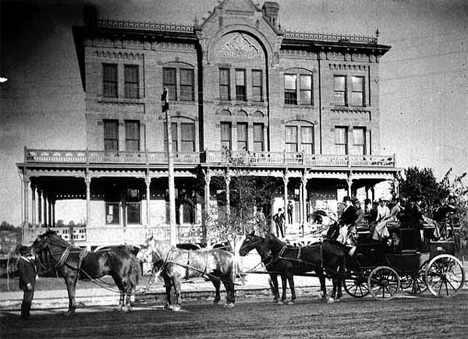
(405, 316)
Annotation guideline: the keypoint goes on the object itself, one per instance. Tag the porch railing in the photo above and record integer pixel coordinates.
(117, 235)
(209, 157)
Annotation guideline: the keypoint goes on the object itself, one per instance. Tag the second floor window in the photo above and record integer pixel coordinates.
(226, 138)
(187, 85)
(307, 139)
(132, 136)
(170, 82)
(291, 139)
(241, 93)
(359, 140)
(110, 81)
(341, 140)
(357, 94)
(257, 86)
(187, 137)
(131, 82)
(242, 140)
(258, 138)
(111, 135)
(290, 89)
(306, 89)
(340, 90)
(224, 84)
(175, 146)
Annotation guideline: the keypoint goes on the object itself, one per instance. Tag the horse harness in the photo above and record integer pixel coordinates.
(298, 254)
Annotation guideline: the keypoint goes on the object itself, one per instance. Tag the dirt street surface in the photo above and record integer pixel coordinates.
(405, 316)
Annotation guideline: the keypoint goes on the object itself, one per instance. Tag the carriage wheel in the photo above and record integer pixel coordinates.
(383, 283)
(356, 285)
(415, 283)
(445, 276)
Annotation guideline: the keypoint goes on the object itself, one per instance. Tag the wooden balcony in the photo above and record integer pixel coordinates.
(249, 159)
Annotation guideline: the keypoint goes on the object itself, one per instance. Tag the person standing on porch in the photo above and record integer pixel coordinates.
(279, 220)
(290, 212)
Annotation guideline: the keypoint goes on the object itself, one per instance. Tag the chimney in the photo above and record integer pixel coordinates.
(270, 12)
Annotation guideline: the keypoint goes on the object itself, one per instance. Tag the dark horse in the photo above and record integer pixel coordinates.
(280, 258)
(176, 264)
(73, 263)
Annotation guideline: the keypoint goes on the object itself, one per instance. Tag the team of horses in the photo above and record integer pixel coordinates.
(174, 264)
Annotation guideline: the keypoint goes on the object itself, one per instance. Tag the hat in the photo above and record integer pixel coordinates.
(346, 198)
(24, 250)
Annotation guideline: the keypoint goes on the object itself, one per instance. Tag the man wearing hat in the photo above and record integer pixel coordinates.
(27, 279)
(347, 220)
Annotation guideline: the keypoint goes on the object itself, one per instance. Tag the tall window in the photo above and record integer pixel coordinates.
(290, 89)
(132, 135)
(187, 85)
(187, 137)
(110, 80)
(224, 84)
(131, 81)
(111, 135)
(258, 137)
(170, 82)
(241, 93)
(359, 140)
(133, 208)
(291, 139)
(112, 213)
(341, 140)
(173, 137)
(357, 94)
(306, 89)
(257, 85)
(242, 142)
(307, 139)
(340, 90)
(226, 138)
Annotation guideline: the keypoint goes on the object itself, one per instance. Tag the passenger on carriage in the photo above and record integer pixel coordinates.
(381, 229)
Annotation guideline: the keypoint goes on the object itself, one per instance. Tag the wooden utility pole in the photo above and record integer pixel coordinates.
(170, 167)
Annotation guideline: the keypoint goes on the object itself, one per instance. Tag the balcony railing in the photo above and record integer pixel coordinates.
(251, 159)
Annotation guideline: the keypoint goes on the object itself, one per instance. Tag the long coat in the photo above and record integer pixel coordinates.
(27, 273)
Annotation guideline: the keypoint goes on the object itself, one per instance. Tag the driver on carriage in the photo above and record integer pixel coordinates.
(346, 223)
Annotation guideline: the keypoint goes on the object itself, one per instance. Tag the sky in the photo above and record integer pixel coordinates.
(423, 78)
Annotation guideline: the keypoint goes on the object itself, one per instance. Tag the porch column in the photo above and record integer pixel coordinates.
(227, 179)
(26, 182)
(206, 208)
(52, 204)
(34, 205)
(304, 200)
(39, 207)
(45, 209)
(49, 212)
(285, 193)
(349, 181)
(148, 199)
(88, 198)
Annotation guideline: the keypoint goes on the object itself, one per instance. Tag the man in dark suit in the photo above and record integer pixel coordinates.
(27, 279)
(346, 221)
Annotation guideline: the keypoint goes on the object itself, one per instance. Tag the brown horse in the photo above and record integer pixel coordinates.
(287, 261)
(177, 264)
(73, 263)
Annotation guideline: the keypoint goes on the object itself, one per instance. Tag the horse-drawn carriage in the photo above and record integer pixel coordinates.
(378, 268)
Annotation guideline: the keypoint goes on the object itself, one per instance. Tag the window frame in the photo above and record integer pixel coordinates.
(361, 146)
(257, 85)
(303, 90)
(361, 91)
(115, 208)
(131, 86)
(129, 139)
(111, 135)
(242, 131)
(342, 91)
(345, 143)
(290, 94)
(224, 84)
(185, 141)
(187, 90)
(228, 140)
(289, 142)
(169, 84)
(110, 80)
(258, 140)
(311, 143)
(241, 87)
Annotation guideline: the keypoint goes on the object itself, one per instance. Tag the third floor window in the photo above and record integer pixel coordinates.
(241, 92)
(110, 80)
(340, 90)
(298, 89)
(357, 94)
(170, 82)
(131, 81)
(224, 84)
(257, 85)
